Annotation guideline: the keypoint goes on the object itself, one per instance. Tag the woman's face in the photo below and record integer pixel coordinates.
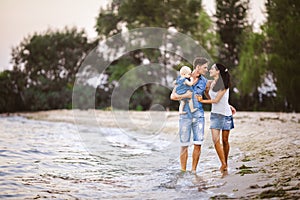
(213, 72)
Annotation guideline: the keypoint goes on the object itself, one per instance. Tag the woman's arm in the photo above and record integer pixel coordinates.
(216, 100)
(206, 92)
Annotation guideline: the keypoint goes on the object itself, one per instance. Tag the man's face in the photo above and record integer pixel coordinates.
(202, 69)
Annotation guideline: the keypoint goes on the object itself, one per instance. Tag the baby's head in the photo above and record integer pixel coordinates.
(185, 71)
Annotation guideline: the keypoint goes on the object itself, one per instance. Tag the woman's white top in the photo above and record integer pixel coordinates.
(222, 107)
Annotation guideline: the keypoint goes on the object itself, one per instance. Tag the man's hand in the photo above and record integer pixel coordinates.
(176, 97)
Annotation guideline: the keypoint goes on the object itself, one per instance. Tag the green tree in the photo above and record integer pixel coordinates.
(284, 59)
(49, 62)
(53, 56)
(252, 71)
(186, 17)
(231, 21)
(11, 97)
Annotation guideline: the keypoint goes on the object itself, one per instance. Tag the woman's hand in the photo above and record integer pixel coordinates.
(233, 110)
(199, 98)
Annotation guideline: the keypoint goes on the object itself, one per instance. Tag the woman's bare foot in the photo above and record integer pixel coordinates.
(224, 174)
(223, 168)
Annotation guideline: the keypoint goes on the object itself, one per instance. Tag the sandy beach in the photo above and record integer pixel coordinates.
(269, 165)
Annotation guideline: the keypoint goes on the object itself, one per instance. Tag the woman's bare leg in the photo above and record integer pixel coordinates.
(219, 148)
(226, 146)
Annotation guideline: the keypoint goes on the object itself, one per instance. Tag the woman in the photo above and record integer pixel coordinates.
(221, 112)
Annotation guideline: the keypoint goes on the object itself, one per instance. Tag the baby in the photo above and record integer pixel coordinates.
(184, 83)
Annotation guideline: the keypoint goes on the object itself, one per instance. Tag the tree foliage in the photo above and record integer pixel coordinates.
(53, 57)
(252, 70)
(11, 97)
(284, 38)
(44, 68)
(231, 21)
(185, 16)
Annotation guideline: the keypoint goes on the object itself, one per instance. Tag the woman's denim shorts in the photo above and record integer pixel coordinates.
(221, 122)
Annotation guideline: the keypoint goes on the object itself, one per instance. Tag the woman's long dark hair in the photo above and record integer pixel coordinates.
(223, 81)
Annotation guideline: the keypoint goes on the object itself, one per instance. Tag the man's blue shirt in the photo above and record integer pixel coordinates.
(199, 89)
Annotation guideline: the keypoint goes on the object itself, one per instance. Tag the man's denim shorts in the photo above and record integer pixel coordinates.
(187, 124)
(221, 122)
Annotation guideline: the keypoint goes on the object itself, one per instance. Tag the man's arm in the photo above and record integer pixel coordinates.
(176, 97)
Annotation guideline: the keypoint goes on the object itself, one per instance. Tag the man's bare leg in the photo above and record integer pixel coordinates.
(183, 157)
(196, 156)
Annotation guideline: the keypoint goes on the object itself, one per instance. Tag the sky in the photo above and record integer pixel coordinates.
(21, 18)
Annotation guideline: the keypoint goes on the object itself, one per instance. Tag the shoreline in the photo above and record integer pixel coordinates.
(269, 166)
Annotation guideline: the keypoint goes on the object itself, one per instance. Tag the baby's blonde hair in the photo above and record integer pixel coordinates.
(185, 70)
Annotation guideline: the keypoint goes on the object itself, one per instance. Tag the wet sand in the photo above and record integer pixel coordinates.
(269, 165)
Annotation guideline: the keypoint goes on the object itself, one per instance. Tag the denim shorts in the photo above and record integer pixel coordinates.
(187, 124)
(221, 122)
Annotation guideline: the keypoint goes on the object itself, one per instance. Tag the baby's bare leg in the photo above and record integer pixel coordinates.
(181, 106)
(191, 105)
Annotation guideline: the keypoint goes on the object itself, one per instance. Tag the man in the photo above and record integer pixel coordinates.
(193, 121)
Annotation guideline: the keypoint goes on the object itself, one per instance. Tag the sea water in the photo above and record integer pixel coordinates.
(40, 159)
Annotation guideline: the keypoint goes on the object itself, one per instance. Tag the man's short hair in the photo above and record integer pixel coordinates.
(199, 61)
